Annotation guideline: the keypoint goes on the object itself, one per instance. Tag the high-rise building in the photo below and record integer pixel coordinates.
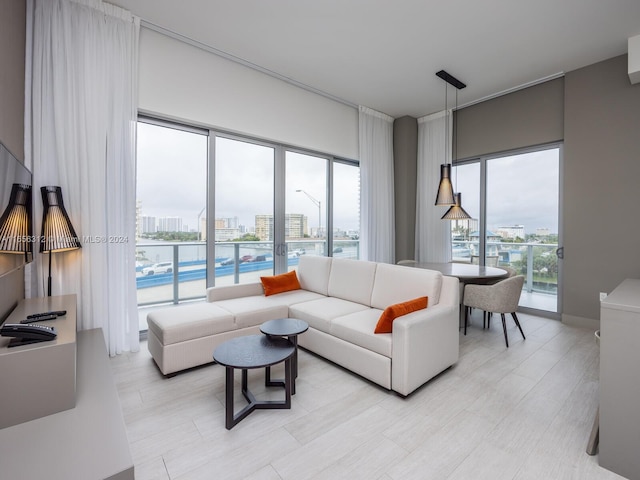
(513, 231)
(169, 224)
(203, 229)
(229, 222)
(138, 220)
(226, 234)
(295, 226)
(264, 227)
(147, 224)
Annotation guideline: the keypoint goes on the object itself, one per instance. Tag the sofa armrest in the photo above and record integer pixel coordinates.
(226, 292)
(425, 343)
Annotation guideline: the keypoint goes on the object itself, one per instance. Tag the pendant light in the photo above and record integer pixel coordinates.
(444, 197)
(455, 212)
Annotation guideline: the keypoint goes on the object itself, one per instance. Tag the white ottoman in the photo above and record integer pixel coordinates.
(184, 336)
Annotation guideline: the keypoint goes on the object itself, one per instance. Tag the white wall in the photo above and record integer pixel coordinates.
(183, 82)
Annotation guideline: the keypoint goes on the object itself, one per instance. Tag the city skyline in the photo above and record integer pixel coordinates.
(521, 189)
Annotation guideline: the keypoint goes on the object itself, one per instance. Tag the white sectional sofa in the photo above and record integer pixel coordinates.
(342, 301)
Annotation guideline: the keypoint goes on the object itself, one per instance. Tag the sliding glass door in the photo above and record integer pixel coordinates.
(243, 220)
(522, 211)
(272, 204)
(214, 208)
(306, 194)
(514, 200)
(171, 198)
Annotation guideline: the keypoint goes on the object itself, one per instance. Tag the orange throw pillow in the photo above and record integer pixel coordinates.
(385, 322)
(280, 283)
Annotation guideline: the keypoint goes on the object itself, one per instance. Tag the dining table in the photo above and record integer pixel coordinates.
(466, 272)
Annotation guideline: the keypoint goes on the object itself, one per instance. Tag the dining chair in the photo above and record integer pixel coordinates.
(489, 260)
(406, 262)
(510, 271)
(501, 297)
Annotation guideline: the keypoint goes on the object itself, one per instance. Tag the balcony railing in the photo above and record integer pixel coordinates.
(536, 261)
(159, 282)
(238, 262)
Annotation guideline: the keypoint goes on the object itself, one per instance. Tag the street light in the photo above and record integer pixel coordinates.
(318, 204)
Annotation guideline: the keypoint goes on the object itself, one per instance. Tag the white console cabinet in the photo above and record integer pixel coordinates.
(85, 440)
(40, 378)
(620, 380)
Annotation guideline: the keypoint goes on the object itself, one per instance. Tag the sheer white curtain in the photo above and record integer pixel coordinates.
(377, 218)
(83, 74)
(433, 235)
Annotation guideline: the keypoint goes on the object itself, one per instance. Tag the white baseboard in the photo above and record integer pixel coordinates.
(582, 322)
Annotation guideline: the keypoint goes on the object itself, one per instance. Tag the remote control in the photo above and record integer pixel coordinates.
(39, 319)
(58, 313)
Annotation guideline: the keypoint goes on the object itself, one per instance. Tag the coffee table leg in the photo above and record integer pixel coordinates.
(267, 378)
(289, 385)
(294, 364)
(229, 420)
(294, 369)
(294, 340)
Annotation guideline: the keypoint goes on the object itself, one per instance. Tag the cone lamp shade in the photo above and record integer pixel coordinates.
(445, 197)
(15, 223)
(456, 212)
(58, 234)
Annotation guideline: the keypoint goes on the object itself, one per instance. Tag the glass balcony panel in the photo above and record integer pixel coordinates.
(154, 281)
(192, 270)
(305, 206)
(244, 194)
(346, 210)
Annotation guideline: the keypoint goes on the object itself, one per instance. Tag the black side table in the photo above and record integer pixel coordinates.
(290, 328)
(253, 351)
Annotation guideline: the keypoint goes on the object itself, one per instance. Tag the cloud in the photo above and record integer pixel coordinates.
(172, 179)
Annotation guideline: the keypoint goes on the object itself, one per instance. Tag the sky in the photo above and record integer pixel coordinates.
(521, 190)
(172, 179)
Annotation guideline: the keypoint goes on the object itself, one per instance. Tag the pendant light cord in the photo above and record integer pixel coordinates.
(455, 131)
(446, 124)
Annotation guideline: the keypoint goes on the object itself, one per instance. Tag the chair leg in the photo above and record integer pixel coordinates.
(466, 318)
(489, 320)
(515, 319)
(504, 327)
(484, 319)
(594, 438)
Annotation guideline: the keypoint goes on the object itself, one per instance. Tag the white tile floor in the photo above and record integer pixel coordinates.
(519, 413)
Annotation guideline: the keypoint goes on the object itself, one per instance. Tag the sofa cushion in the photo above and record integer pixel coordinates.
(296, 296)
(313, 273)
(319, 313)
(187, 322)
(385, 322)
(396, 284)
(357, 328)
(284, 282)
(352, 280)
(251, 311)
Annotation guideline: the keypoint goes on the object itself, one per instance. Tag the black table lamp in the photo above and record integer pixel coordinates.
(58, 234)
(15, 223)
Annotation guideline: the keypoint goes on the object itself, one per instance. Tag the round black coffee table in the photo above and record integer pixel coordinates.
(290, 328)
(253, 351)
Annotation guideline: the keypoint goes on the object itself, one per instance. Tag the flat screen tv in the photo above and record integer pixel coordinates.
(16, 215)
